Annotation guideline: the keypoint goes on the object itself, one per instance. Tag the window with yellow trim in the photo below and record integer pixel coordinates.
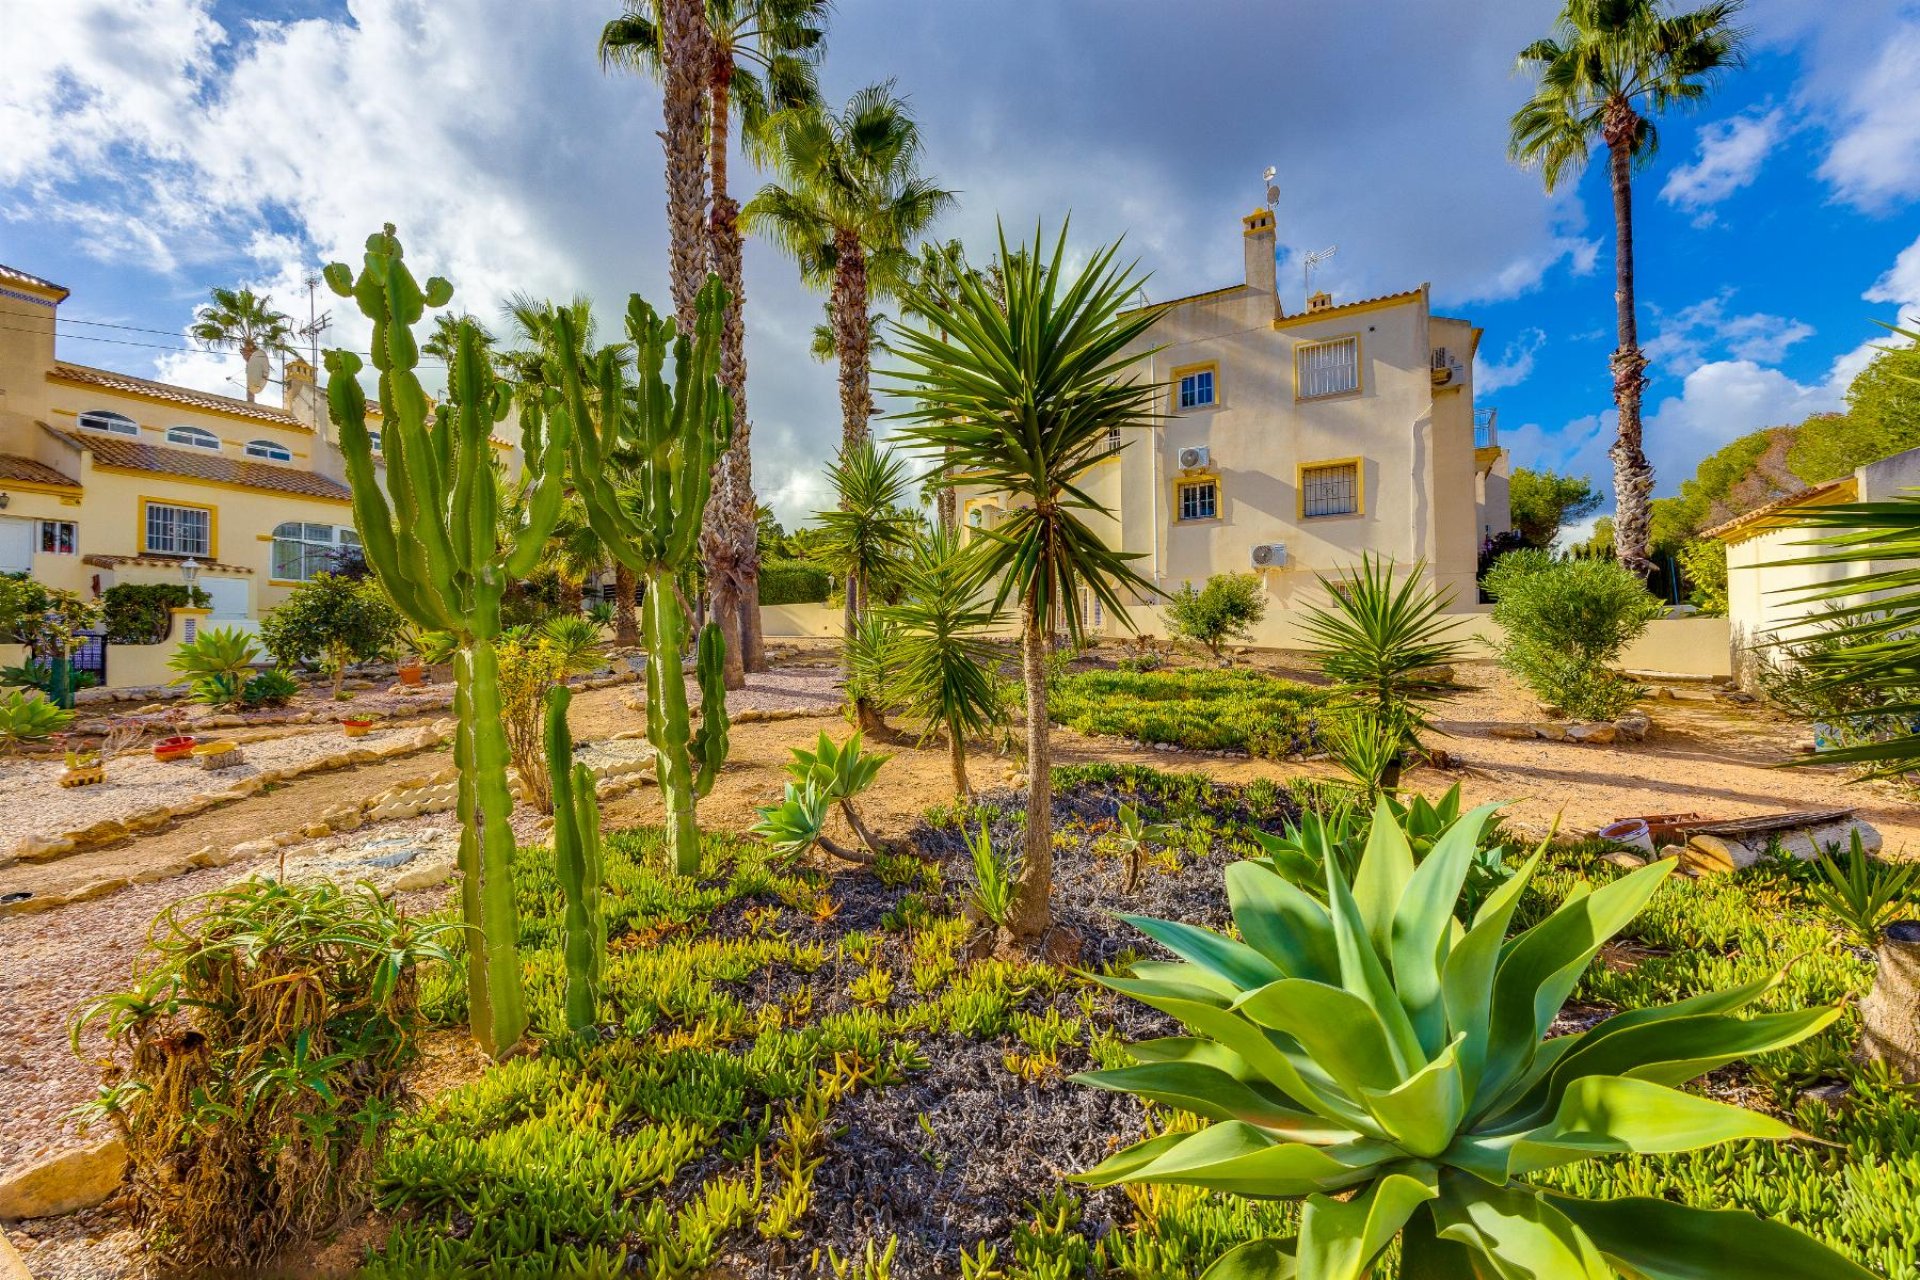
(1197, 500)
(179, 531)
(1331, 489)
(1195, 388)
(1329, 368)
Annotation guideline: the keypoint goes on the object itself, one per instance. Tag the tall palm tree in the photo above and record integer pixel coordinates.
(1020, 395)
(1610, 66)
(849, 204)
(760, 60)
(241, 320)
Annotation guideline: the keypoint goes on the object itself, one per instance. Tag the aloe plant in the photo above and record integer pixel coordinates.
(1376, 1049)
(652, 525)
(576, 850)
(430, 529)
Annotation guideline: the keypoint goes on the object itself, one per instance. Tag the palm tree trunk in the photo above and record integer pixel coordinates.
(852, 336)
(720, 535)
(683, 43)
(957, 760)
(626, 624)
(1030, 914)
(1632, 473)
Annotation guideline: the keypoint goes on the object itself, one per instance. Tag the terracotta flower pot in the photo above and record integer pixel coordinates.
(412, 673)
(356, 728)
(178, 747)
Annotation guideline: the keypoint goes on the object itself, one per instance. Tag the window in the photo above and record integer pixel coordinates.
(59, 537)
(193, 437)
(118, 424)
(374, 436)
(1198, 499)
(302, 550)
(1328, 368)
(179, 531)
(1093, 610)
(269, 450)
(1330, 488)
(1195, 387)
(1113, 438)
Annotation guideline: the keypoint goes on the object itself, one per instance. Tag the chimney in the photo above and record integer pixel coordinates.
(1258, 227)
(1322, 301)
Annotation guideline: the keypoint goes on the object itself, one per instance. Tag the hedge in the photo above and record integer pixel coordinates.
(793, 582)
(138, 612)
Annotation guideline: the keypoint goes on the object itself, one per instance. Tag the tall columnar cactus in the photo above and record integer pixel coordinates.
(576, 850)
(434, 538)
(648, 515)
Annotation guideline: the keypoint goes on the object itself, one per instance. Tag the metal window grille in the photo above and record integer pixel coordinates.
(1196, 389)
(179, 531)
(1113, 437)
(1331, 491)
(1199, 501)
(1329, 368)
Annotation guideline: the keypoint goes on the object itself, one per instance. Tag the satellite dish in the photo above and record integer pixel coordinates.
(1268, 175)
(258, 369)
(1273, 194)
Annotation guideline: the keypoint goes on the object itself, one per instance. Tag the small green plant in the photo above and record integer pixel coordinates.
(839, 774)
(576, 852)
(1862, 894)
(1227, 608)
(1566, 622)
(255, 1063)
(332, 622)
(993, 878)
(576, 639)
(1133, 835)
(271, 688)
(1210, 710)
(216, 665)
(943, 660)
(798, 824)
(27, 716)
(1379, 1049)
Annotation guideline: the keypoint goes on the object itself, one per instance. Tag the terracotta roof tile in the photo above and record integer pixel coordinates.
(26, 470)
(1766, 516)
(64, 372)
(196, 464)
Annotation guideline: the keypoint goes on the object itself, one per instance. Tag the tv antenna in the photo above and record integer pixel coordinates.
(1312, 260)
(318, 321)
(1273, 192)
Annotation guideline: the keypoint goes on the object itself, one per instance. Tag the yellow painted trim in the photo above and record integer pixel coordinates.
(213, 525)
(1173, 385)
(65, 413)
(1350, 309)
(1487, 456)
(1186, 481)
(1359, 367)
(1359, 465)
(224, 484)
(35, 486)
(1256, 222)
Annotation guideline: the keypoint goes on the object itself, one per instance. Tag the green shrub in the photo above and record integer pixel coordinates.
(793, 582)
(27, 716)
(1226, 608)
(273, 688)
(331, 622)
(1704, 561)
(1198, 710)
(23, 602)
(1565, 623)
(255, 1063)
(215, 665)
(140, 612)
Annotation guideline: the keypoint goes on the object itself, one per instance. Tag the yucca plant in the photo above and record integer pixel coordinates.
(27, 716)
(1862, 894)
(576, 639)
(215, 664)
(944, 661)
(993, 877)
(1380, 642)
(1376, 1049)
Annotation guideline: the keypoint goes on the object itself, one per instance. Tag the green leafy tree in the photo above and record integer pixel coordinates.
(333, 621)
(1545, 502)
(1227, 608)
(1565, 623)
(1704, 561)
(865, 541)
(240, 320)
(1020, 394)
(945, 661)
(1388, 1064)
(1608, 68)
(1882, 419)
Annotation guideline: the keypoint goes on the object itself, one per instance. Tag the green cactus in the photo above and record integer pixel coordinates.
(648, 515)
(576, 850)
(433, 537)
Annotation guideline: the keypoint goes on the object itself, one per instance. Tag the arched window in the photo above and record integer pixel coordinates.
(302, 550)
(193, 437)
(118, 424)
(269, 450)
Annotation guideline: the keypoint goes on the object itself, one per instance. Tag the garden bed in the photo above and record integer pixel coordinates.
(1235, 711)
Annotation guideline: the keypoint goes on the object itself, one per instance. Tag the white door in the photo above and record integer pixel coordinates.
(16, 545)
(229, 597)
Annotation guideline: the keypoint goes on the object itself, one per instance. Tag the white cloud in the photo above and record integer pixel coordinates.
(1900, 286)
(1686, 339)
(1731, 153)
(1514, 367)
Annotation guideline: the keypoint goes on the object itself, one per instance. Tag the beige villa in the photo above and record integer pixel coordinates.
(1293, 443)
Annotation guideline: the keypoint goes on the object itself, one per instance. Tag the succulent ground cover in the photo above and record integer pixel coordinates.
(800, 1074)
(1201, 710)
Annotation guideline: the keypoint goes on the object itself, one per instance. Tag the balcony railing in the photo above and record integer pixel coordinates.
(1485, 433)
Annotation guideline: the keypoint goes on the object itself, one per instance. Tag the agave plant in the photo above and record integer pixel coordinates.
(1375, 1049)
(798, 824)
(839, 774)
(215, 664)
(27, 716)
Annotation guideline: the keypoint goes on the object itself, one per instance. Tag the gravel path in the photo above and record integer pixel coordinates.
(39, 806)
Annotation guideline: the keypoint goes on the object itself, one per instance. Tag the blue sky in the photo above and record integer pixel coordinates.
(152, 148)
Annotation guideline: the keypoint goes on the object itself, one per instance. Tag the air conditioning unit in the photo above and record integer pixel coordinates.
(1195, 457)
(1269, 555)
(1447, 369)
